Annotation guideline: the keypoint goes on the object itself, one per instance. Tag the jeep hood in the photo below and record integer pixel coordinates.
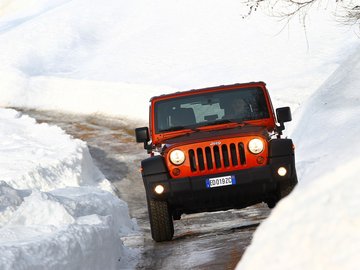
(218, 134)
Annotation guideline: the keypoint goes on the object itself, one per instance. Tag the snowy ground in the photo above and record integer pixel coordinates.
(56, 56)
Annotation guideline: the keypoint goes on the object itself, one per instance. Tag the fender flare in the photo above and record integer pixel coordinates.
(153, 165)
(280, 148)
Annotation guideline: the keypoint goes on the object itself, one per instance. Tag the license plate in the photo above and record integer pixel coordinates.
(221, 181)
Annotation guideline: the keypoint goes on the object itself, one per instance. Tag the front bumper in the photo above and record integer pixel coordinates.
(192, 194)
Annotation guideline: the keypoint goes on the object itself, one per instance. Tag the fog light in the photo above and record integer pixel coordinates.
(282, 171)
(159, 189)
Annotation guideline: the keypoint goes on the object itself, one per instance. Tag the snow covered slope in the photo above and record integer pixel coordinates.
(55, 51)
(317, 226)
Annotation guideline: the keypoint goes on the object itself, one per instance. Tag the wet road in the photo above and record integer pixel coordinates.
(202, 241)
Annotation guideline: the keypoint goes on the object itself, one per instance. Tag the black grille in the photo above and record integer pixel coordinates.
(218, 157)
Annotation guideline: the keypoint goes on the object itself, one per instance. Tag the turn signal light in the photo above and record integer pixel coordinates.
(176, 171)
(260, 160)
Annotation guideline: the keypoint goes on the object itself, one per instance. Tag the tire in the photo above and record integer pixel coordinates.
(271, 203)
(161, 222)
(283, 189)
(286, 187)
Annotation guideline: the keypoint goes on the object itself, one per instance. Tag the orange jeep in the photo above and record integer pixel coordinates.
(214, 149)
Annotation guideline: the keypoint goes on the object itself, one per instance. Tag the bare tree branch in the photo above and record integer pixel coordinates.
(348, 11)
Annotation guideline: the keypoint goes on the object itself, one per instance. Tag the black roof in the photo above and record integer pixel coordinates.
(207, 88)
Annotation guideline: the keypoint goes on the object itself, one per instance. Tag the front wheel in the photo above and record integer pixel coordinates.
(161, 222)
(283, 189)
(286, 187)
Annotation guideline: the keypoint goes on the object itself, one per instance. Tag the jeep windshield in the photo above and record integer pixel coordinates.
(210, 108)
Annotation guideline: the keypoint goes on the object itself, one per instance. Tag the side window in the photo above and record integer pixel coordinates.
(260, 106)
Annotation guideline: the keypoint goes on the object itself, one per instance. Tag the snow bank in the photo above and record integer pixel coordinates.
(71, 228)
(42, 156)
(316, 227)
(56, 211)
(99, 97)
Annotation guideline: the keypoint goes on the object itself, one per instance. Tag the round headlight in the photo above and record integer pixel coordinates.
(256, 146)
(177, 157)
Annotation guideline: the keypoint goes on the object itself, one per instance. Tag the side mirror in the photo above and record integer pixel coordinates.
(283, 114)
(142, 135)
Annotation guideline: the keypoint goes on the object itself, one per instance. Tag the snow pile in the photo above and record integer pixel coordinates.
(53, 214)
(72, 228)
(42, 156)
(317, 226)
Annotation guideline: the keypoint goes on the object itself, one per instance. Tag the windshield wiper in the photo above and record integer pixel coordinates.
(218, 122)
(222, 121)
(174, 128)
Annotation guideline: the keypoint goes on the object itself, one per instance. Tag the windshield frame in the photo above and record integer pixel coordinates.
(157, 134)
